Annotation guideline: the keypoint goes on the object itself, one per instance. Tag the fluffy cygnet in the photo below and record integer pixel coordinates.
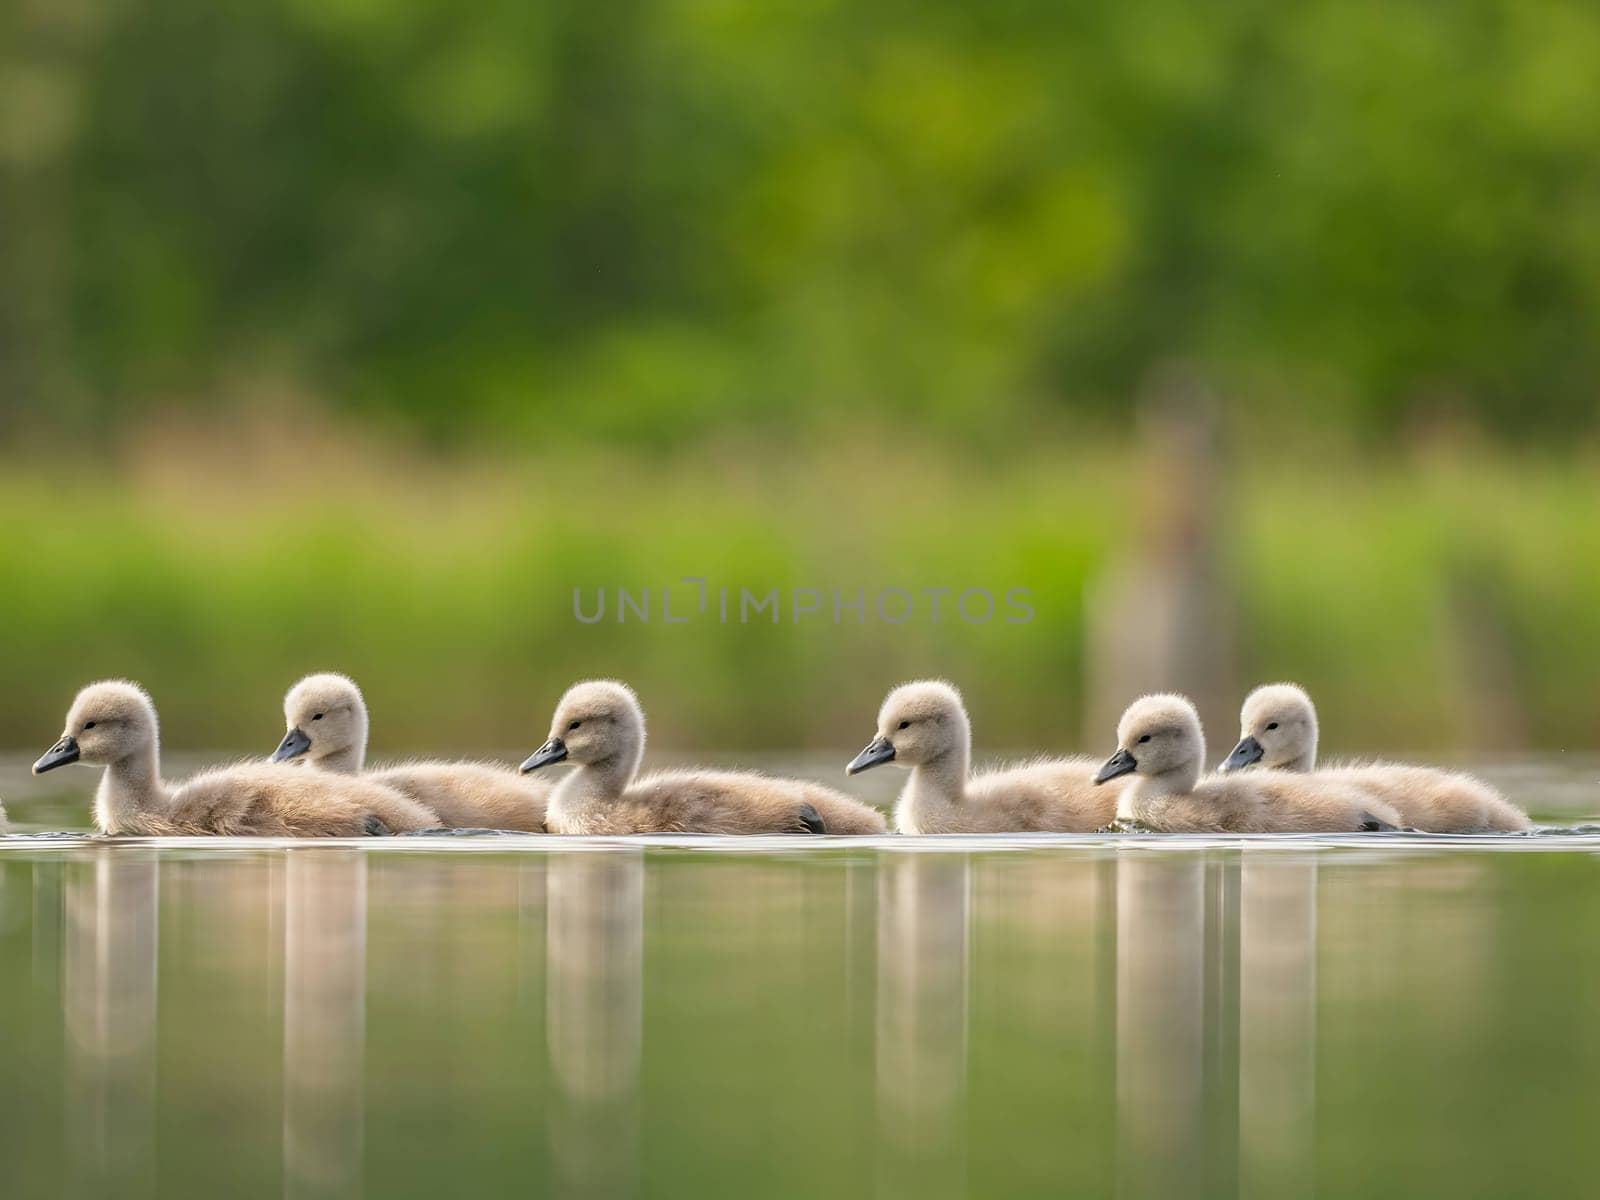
(599, 726)
(1160, 743)
(327, 723)
(1278, 730)
(113, 724)
(924, 726)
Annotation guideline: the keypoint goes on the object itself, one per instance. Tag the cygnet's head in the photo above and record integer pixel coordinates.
(107, 723)
(1157, 735)
(596, 721)
(1277, 728)
(918, 723)
(325, 715)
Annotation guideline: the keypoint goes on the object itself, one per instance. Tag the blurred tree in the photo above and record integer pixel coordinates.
(639, 222)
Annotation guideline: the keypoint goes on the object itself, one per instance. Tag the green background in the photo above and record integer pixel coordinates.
(350, 335)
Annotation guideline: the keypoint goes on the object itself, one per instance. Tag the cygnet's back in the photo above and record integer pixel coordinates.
(1050, 796)
(1435, 801)
(841, 814)
(1266, 802)
(468, 795)
(739, 802)
(262, 800)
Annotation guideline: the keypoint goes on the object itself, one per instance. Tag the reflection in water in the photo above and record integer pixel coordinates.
(47, 917)
(1160, 1025)
(1277, 1025)
(1216, 1006)
(533, 893)
(324, 1021)
(838, 1021)
(594, 1019)
(922, 1024)
(110, 1011)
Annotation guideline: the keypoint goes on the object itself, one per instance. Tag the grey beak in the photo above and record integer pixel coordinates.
(294, 744)
(1241, 756)
(553, 751)
(879, 750)
(1120, 763)
(63, 752)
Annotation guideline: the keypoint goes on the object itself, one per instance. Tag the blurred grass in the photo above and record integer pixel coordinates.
(218, 575)
(799, 296)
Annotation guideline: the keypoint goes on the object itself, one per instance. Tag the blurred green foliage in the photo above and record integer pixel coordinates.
(1441, 604)
(516, 298)
(641, 222)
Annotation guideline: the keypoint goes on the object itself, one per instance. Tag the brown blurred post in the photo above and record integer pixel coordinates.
(1486, 672)
(1160, 618)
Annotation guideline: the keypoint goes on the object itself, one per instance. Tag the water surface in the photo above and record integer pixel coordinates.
(1404, 1016)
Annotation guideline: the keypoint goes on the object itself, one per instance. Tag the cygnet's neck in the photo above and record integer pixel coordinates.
(1303, 762)
(1306, 760)
(1175, 781)
(938, 785)
(594, 785)
(129, 787)
(347, 760)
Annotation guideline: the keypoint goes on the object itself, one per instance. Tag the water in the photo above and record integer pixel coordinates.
(1402, 1016)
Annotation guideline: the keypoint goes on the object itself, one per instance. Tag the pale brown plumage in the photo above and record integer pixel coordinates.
(1278, 730)
(113, 724)
(924, 726)
(262, 800)
(469, 795)
(1162, 746)
(327, 722)
(715, 802)
(599, 726)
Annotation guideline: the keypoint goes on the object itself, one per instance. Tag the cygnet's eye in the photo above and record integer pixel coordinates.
(903, 725)
(88, 725)
(573, 726)
(1144, 739)
(1272, 726)
(318, 717)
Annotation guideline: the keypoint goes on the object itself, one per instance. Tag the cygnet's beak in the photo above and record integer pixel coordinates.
(1120, 763)
(63, 752)
(294, 744)
(1241, 756)
(553, 751)
(878, 750)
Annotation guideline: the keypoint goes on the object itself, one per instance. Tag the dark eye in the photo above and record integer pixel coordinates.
(89, 725)
(1144, 739)
(904, 725)
(1272, 726)
(573, 726)
(318, 717)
